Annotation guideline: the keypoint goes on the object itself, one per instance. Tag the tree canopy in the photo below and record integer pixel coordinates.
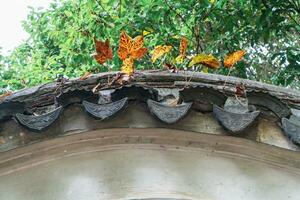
(62, 37)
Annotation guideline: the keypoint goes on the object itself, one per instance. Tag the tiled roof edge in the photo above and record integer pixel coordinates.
(150, 78)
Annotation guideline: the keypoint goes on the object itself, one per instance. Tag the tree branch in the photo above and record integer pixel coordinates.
(178, 15)
(100, 4)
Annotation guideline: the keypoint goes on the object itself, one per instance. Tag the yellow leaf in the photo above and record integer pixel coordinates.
(127, 66)
(233, 58)
(146, 32)
(205, 70)
(159, 51)
(179, 59)
(212, 1)
(206, 60)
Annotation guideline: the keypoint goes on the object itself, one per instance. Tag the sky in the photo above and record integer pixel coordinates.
(12, 13)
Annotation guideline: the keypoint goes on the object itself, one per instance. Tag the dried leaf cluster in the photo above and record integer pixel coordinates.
(132, 49)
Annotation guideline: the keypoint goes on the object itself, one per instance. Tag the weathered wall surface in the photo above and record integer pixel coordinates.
(149, 163)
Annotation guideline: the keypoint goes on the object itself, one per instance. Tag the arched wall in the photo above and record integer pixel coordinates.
(136, 163)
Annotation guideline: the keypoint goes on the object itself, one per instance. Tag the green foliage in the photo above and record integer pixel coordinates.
(61, 38)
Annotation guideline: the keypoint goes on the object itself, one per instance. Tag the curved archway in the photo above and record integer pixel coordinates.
(126, 163)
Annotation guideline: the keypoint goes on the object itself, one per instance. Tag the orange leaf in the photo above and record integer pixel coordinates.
(182, 50)
(206, 60)
(183, 46)
(233, 58)
(127, 66)
(103, 51)
(124, 45)
(137, 43)
(85, 76)
(3, 96)
(214, 64)
(129, 47)
(139, 53)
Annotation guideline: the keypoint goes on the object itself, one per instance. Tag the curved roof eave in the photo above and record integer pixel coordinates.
(160, 79)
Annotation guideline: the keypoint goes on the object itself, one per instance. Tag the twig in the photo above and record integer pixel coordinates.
(181, 17)
(187, 82)
(100, 4)
(227, 77)
(153, 67)
(120, 8)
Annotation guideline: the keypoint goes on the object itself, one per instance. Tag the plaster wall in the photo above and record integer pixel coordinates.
(149, 163)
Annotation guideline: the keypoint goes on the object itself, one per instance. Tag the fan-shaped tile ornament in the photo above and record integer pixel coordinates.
(168, 114)
(235, 116)
(39, 122)
(291, 126)
(103, 111)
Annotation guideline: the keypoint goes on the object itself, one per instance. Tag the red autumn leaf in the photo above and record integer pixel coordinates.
(103, 51)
